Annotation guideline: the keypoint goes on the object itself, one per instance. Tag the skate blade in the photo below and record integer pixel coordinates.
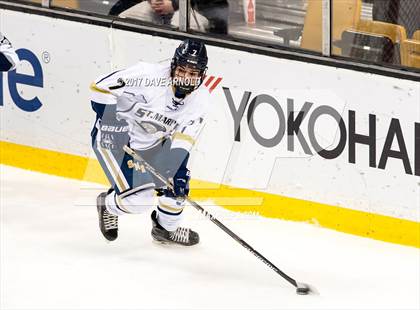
(171, 244)
(107, 241)
(165, 243)
(159, 242)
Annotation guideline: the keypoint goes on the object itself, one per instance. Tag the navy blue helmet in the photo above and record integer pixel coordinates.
(190, 53)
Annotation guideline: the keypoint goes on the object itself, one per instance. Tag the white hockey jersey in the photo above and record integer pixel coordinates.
(8, 51)
(145, 99)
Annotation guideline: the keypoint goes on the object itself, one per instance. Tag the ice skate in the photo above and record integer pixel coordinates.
(108, 223)
(181, 236)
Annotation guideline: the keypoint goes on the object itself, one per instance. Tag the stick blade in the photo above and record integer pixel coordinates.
(305, 289)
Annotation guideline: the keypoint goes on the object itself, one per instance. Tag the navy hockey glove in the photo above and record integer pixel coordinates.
(177, 171)
(181, 183)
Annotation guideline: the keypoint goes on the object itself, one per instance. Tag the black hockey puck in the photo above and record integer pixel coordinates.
(302, 289)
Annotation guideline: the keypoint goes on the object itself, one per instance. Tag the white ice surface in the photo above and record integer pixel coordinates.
(54, 257)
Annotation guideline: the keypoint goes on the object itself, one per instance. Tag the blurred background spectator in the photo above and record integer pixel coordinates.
(206, 15)
(373, 31)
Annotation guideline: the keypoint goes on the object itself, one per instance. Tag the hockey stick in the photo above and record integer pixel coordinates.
(301, 288)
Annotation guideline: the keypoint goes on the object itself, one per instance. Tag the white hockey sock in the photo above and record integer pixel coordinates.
(169, 213)
(136, 203)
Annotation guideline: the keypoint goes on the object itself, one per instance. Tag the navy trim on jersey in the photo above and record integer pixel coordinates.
(107, 76)
(99, 108)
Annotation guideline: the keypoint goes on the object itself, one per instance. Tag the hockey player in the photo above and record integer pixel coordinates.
(158, 111)
(8, 57)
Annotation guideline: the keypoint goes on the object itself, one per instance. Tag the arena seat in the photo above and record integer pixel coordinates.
(346, 14)
(410, 53)
(373, 41)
